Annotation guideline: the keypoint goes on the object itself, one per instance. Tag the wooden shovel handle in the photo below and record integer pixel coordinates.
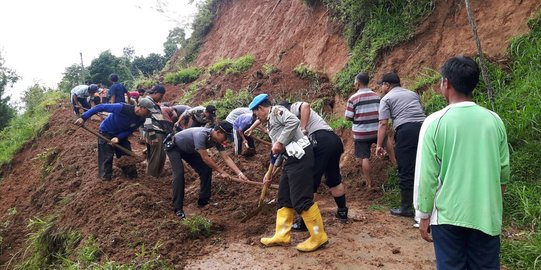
(123, 149)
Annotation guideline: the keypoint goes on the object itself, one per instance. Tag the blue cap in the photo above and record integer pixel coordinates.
(257, 100)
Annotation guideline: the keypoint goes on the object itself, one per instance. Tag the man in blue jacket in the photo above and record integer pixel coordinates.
(122, 121)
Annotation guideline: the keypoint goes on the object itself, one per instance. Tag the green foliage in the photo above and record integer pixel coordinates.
(71, 78)
(89, 251)
(231, 100)
(106, 63)
(186, 75)
(143, 82)
(340, 123)
(48, 244)
(7, 78)
(232, 66)
(304, 71)
(432, 102)
(150, 64)
(176, 38)
(197, 226)
(391, 190)
(310, 3)
(522, 253)
(33, 96)
(188, 95)
(201, 26)
(373, 25)
(269, 69)
(425, 79)
(26, 127)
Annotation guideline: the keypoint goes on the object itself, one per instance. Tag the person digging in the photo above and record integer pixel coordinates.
(191, 146)
(295, 192)
(122, 121)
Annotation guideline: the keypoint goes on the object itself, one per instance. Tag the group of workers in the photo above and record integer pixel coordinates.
(449, 184)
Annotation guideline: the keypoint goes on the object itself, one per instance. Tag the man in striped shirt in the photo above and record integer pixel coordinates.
(362, 109)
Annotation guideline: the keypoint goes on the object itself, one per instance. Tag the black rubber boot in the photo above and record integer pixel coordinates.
(342, 214)
(406, 207)
(298, 225)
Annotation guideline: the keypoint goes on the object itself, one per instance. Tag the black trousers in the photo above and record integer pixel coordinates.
(239, 140)
(196, 162)
(106, 152)
(297, 182)
(406, 140)
(328, 149)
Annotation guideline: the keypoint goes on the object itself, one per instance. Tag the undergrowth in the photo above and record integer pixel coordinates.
(50, 247)
(371, 26)
(231, 100)
(26, 127)
(232, 66)
(185, 75)
(197, 226)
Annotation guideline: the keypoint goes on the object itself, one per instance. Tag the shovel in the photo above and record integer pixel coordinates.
(123, 162)
(271, 172)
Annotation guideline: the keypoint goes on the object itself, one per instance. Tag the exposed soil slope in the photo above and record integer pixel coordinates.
(446, 32)
(283, 33)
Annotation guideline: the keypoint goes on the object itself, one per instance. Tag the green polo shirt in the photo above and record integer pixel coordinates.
(462, 161)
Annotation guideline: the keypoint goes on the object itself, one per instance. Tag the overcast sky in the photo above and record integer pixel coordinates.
(39, 39)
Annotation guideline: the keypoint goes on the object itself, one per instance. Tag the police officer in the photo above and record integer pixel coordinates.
(296, 189)
(328, 149)
(191, 146)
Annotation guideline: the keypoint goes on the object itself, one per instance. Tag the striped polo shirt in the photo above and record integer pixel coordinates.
(362, 108)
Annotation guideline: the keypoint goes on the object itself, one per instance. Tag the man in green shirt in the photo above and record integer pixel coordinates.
(461, 171)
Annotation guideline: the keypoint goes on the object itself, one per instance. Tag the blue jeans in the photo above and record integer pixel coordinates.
(464, 248)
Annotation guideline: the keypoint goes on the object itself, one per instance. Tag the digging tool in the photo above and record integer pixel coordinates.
(123, 161)
(236, 179)
(262, 141)
(271, 172)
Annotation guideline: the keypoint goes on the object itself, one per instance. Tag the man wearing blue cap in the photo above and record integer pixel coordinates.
(296, 183)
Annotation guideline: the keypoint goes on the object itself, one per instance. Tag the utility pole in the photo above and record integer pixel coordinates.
(82, 69)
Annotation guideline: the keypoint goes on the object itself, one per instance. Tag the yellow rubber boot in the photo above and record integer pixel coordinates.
(282, 236)
(314, 223)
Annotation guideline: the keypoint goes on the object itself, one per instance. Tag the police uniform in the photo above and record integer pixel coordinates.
(295, 190)
(328, 148)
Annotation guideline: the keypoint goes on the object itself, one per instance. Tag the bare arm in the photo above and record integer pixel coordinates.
(382, 132)
(210, 162)
(232, 165)
(305, 116)
(256, 124)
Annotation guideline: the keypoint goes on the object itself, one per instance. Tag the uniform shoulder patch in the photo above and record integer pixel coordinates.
(276, 111)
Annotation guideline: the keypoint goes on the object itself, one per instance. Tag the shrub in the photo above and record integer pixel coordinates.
(371, 26)
(186, 75)
(232, 66)
(269, 69)
(230, 101)
(304, 71)
(197, 226)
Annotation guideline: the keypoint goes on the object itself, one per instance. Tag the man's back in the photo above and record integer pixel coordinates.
(402, 106)
(362, 108)
(465, 160)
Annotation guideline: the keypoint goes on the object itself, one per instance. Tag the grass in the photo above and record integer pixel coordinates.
(49, 247)
(230, 100)
(304, 71)
(340, 123)
(371, 26)
(26, 127)
(269, 69)
(232, 66)
(197, 226)
(186, 75)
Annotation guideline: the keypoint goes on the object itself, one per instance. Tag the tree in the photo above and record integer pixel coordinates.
(176, 38)
(7, 77)
(70, 78)
(150, 64)
(33, 96)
